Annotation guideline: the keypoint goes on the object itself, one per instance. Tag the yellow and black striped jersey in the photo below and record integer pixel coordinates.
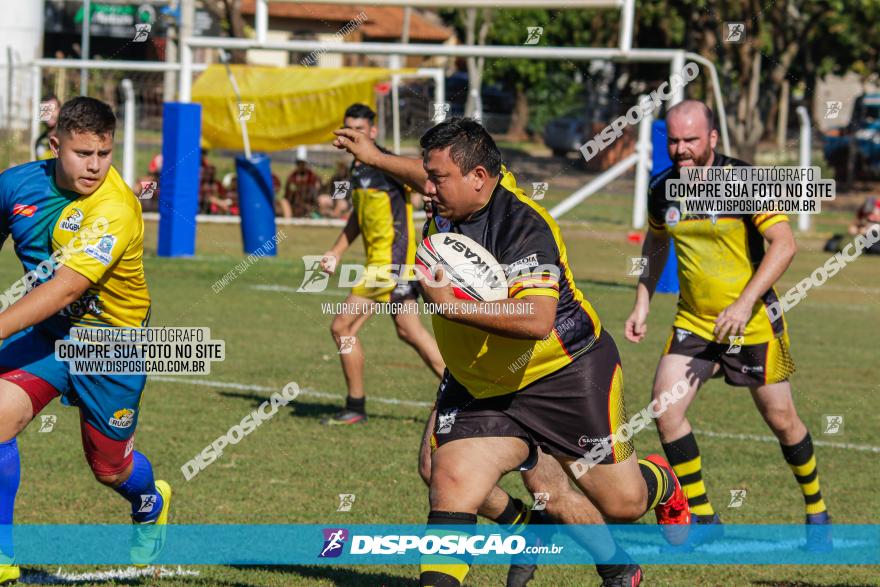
(384, 213)
(717, 256)
(522, 236)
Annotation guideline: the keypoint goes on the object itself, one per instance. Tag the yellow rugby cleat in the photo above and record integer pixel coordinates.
(148, 539)
(9, 574)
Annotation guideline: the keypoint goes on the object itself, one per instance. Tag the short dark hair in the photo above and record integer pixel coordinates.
(471, 144)
(84, 114)
(360, 111)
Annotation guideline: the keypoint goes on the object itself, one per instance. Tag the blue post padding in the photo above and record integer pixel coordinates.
(661, 162)
(179, 179)
(256, 200)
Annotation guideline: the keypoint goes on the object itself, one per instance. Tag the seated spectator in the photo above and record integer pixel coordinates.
(867, 215)
(335, 199)
(282, 206)
(227, 200)
(301, 190)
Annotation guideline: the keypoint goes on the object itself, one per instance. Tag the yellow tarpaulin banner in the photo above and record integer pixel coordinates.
(292, 106)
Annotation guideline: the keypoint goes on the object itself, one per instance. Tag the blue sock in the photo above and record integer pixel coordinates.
(140, 491)
(10, 476)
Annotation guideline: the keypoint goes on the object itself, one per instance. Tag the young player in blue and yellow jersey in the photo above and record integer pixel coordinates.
(78, 231)
(382, 216)
(722, 326)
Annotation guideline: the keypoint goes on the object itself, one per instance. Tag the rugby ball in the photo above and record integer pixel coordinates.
(471, 270)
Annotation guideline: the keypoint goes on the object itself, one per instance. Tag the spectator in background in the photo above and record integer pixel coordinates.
(213, 197)
(301, 190)
(49, 108)
(335, 199)
(226, 201)
(867, 215)
(282, 206)
(150, 181)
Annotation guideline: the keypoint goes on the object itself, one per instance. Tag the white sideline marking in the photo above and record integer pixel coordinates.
(303, 390)
(759, 438)
(62, 578)
(420, 404)
(288, 289)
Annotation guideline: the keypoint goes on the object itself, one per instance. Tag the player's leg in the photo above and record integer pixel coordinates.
(29, 380)
(16, 411)
(566, 505)
(109, 412)
(475, 445)
(500, 507)
(776, 405)
(689, 360)
(410, 330)
(578, 415)
(463, 474)
(344, 330)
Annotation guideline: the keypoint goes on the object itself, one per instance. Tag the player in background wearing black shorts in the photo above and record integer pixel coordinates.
(382, 216)
(722, 325)
(568, 395)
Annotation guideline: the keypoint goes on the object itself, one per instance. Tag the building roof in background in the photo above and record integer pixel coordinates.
(383, 22)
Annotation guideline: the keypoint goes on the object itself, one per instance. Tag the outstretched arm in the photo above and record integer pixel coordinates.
(405, 169)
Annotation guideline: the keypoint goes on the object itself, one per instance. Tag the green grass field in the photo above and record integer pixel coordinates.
(291, 469)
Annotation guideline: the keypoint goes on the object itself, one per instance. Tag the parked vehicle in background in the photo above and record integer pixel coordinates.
(854, 150)
(567, 133)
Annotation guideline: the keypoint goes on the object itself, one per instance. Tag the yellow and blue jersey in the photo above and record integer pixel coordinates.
(717, 256)
(42, 218)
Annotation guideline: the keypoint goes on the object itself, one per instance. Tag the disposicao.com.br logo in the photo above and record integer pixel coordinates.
(473, 545)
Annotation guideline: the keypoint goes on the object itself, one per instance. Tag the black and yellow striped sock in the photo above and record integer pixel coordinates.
(660, 485)
(802, 460)
(515, 517)
(684, 456)
(445, 570)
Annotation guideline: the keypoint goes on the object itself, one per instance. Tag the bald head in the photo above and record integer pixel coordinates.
(690, 126)
(692, 110)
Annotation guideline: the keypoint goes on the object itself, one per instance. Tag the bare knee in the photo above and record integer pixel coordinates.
(628, 505)
(443, 487)
(783, 421)
(16, 410)
(405, 334)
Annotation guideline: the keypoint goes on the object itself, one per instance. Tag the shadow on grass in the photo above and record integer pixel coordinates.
(343, 577)
(807, 584)
(120, 576)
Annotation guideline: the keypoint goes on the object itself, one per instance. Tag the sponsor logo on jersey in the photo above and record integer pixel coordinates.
(123, 418)
(23, 210)
(524, 263)
(673, 215)
(72, 221)
(101, 251)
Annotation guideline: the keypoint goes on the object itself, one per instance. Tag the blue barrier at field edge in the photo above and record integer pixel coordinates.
(661, 162)
(256, 200)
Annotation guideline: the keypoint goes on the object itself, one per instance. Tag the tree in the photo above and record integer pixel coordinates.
(228, 12)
